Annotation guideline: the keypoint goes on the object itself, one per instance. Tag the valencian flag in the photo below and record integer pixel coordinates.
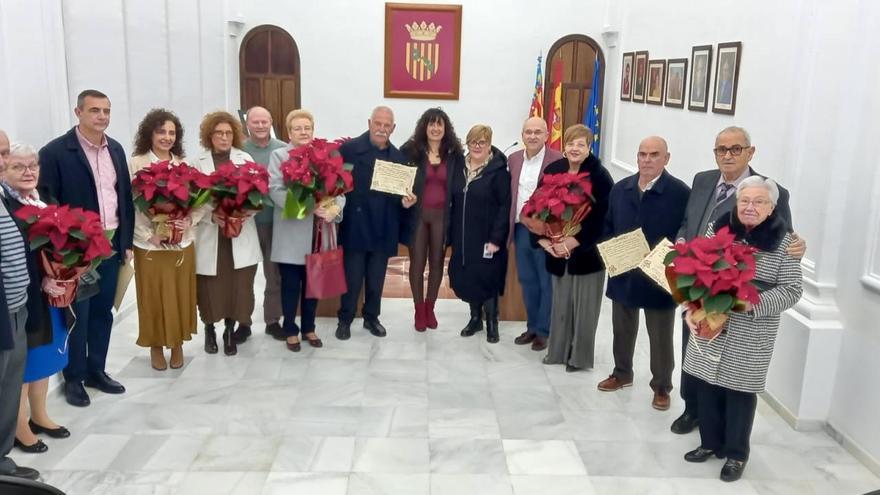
(591, 118)
(554, 117)
(537, 108)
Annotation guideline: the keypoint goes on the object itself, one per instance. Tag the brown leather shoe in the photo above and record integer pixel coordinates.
(524, 338)
(661, 400)
(612, 383)
(539, 344)
(157, 358)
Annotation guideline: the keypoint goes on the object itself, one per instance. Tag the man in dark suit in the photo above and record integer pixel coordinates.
(526, 167)
(712, 196)
(85, 168)
(373, 224)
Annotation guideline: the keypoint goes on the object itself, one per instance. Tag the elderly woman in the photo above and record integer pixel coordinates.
(479, 223)
(732, 369)
(225, 268)
(578, 272)
(435, 150)
(165, 274)
(292, 239)
(46, 326)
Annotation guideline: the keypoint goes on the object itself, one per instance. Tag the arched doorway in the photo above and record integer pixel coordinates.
(270, 73)
(578, 54)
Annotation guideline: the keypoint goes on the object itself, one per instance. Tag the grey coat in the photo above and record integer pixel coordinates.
(291, 239)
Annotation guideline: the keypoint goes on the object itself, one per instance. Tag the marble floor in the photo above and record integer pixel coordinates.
(410, 414)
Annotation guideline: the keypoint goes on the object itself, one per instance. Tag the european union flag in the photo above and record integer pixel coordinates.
(591, 119)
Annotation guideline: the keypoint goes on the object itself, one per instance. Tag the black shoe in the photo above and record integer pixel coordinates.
(210, 339)
(241, 334)
(474, 325)
(732, 470)
(76, 394)
(685, 423)
(104, 383)
(60, 432)
(375, 328)
(229, 346)
(700, 455)
(275, 330)
(25, 473)
(343, 330)
(37, 447)
(492, 331)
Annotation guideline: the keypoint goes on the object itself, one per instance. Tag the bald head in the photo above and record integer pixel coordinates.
(4, 149)
(381, 125)
(534, 134)
(259, 125)
(652, 157)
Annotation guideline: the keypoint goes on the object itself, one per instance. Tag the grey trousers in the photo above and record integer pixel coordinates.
(577, 300)
(11, 375)
(272, 293)
(660, 323)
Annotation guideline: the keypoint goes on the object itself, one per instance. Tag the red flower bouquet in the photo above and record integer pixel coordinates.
(167, 193)
(713, 275)
(71, 241)
(313, 174)
(238, 192)
(560, 204)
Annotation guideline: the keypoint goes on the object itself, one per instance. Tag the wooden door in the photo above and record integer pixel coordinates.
(270, 74)
(578, 54)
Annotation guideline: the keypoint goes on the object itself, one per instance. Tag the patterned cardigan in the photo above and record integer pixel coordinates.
(739, 357)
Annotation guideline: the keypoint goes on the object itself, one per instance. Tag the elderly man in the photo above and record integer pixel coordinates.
(15, 276)
(654, 201)
(373, 223)
(87, 169)
(526, 167)
(260, 144)
(712, 196)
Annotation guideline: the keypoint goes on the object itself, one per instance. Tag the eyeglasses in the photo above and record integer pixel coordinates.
(478, 144)
(734, 150)
(224, 133)
(19, 169)
(757, 203)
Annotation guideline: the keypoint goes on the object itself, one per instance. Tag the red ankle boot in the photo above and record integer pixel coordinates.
(420, 317)
(430, 318)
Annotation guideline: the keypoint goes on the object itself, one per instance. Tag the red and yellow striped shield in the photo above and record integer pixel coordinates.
(422, 59)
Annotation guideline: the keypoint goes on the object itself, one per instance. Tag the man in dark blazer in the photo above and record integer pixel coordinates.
(712, 196)
(373, 224)
(85, 168)
(526, 168)
(654, 201)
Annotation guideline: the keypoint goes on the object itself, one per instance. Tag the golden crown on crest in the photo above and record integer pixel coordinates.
(423, 31)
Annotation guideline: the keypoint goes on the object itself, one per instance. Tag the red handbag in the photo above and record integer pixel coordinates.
(325, 271)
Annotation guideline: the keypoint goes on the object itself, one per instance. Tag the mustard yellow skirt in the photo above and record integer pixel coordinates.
(166, 296)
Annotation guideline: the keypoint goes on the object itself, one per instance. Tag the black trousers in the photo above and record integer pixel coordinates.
(293, 296)
(660, 322)
(726, 419)
(688, 382)
(363, 269)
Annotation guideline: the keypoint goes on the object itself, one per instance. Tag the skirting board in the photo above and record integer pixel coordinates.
(870, 462)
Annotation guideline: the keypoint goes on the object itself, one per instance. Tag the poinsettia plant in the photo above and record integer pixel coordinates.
(167, 193)
(71, 242)
(560, 204)
(314, 173)
(713, 276)
(238, 192)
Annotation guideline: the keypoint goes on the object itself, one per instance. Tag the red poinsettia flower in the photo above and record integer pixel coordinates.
(312, 173)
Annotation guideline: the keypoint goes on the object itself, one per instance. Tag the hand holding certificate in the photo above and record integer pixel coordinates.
(393, 178)
(653, 265)
(624, 252)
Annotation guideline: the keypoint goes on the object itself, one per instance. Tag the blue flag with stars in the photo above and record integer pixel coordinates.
(591, 119)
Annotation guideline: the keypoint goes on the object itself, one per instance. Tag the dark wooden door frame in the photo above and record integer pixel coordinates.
(548, 73)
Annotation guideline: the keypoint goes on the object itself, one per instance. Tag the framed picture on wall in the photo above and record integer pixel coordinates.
(626, 77)
(726, 77)
(639, 77)
(676, 82)
(422, 50)
(656, 80)
(701, 77)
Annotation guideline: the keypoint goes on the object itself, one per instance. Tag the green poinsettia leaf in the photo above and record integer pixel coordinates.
(684, 281)
(721, 264)
(670, 257)
(719, 303)
(697, 292)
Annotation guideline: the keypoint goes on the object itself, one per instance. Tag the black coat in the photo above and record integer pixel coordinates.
(33, 292)
(584, 258)
(479, 214)
(658, 212)
(420, 159)
(372, 221)
(66, 177)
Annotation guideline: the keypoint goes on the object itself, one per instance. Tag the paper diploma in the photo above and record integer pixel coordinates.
(393, 178)
(624, 252)
(653, 265)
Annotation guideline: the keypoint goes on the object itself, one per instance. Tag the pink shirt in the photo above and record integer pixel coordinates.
(105, 179)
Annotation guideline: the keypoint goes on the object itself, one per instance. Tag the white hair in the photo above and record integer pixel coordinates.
(736, 129)
(758, 181)
(22, 150)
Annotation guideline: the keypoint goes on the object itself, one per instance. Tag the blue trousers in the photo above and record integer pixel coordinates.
(537, 289)
(293, 297)
(90, 338)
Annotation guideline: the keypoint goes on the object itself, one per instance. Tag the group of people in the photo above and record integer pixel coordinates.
(467, 197)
